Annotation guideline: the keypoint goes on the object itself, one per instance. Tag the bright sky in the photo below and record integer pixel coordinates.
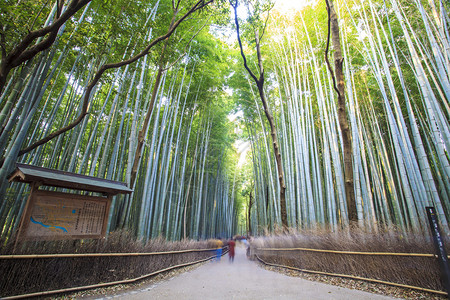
(285, 7)
(290, 6)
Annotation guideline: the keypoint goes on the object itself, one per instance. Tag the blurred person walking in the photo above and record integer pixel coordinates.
(219, 246)
(231, 246)
(247, 246)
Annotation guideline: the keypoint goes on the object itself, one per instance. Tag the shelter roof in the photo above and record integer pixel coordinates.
(56, 178)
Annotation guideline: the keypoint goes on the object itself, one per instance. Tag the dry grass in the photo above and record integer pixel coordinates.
(20, 276)
(416, 271)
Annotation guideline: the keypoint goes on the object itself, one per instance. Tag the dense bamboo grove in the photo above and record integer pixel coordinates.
(183, 187)
(173, 95)
(396, 81)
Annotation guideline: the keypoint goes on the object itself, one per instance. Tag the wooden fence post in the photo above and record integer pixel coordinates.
(440, 248)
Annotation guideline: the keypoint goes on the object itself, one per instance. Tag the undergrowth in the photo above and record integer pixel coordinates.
(416, 271)
(20, 276)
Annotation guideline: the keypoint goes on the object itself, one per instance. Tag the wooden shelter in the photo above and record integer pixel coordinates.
(50, 215)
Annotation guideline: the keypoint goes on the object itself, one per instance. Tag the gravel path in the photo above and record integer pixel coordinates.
(242, 279)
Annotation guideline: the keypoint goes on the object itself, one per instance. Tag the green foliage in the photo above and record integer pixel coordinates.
(17, 18)
(207, 75)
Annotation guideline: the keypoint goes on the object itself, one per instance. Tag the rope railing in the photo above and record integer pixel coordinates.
(354, 277)
(74, 255)
(351, 252)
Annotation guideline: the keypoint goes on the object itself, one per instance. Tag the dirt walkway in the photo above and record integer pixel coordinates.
(242, 279)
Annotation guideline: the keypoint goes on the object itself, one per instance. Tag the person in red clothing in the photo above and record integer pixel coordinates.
(231, 246)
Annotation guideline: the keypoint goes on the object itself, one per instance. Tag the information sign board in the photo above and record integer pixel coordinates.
(54, 215)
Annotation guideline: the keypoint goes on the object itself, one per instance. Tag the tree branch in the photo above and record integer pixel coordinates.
(37, 16)
(189, 42)
(273, 132)
(240, 42)
(59, 6)
(19, 54)
(265, 22)
(3, 44)
(199, 5)
(260, 82)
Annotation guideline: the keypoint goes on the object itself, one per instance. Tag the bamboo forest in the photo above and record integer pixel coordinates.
(232, 117)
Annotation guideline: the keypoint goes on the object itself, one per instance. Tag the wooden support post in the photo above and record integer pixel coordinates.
(34, 187)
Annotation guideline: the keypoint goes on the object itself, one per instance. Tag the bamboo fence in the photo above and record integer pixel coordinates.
(355, 277)
(106, 284)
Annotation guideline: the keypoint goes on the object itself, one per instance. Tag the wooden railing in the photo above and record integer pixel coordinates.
(426, 255)
(6, 258)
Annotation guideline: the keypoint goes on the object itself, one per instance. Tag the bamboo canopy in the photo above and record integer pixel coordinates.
(154, 110)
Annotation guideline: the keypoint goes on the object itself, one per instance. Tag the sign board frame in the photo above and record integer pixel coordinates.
(63, 216)
(53, 213)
